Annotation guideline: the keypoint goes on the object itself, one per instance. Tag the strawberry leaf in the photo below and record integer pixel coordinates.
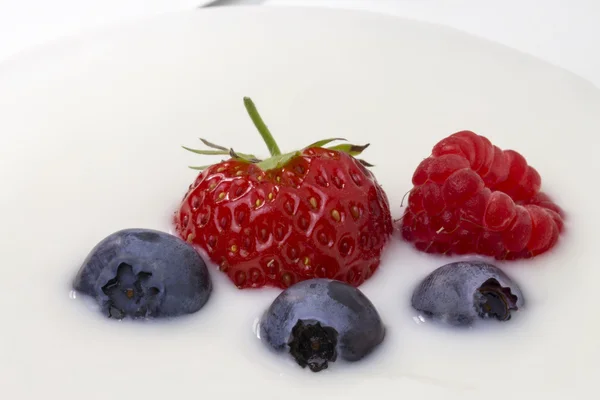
(208, 152)
(212, 145)
(351, 149)
(277, 161)
(323, 142)
(243, 157)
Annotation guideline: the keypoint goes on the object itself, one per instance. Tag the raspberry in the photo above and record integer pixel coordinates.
(471, 197)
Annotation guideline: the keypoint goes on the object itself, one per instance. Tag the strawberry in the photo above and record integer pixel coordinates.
(316, 212)
(470, 196)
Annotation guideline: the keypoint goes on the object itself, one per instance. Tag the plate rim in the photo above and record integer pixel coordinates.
(36, 51)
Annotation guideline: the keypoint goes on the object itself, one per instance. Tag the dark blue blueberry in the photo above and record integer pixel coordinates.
(320, 319)
(141, 273)
(462, 292)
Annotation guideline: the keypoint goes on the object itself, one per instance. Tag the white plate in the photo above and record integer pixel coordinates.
(90, 130)
(27, 23)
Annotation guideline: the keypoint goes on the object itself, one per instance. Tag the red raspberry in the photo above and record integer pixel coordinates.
(470, 197)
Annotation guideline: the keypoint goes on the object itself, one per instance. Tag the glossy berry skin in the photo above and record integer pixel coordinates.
(321, 215)
(463, 292)
(347, 324)
(470, 197)
(142, 273)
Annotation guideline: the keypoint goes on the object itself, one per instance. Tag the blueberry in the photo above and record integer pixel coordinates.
(141, 273)
(462, 292)
(318, 320)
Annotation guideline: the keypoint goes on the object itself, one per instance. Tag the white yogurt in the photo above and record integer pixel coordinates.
(90, 145)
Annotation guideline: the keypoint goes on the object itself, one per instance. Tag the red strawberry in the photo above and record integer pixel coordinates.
(317, 212)
(471, 197)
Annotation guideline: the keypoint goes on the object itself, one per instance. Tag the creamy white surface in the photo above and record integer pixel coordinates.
(89, 143)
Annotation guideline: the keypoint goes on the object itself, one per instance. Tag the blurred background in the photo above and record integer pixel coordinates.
(563, 32)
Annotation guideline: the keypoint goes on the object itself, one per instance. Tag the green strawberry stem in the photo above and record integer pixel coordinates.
(277, 159)
(261, 127)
